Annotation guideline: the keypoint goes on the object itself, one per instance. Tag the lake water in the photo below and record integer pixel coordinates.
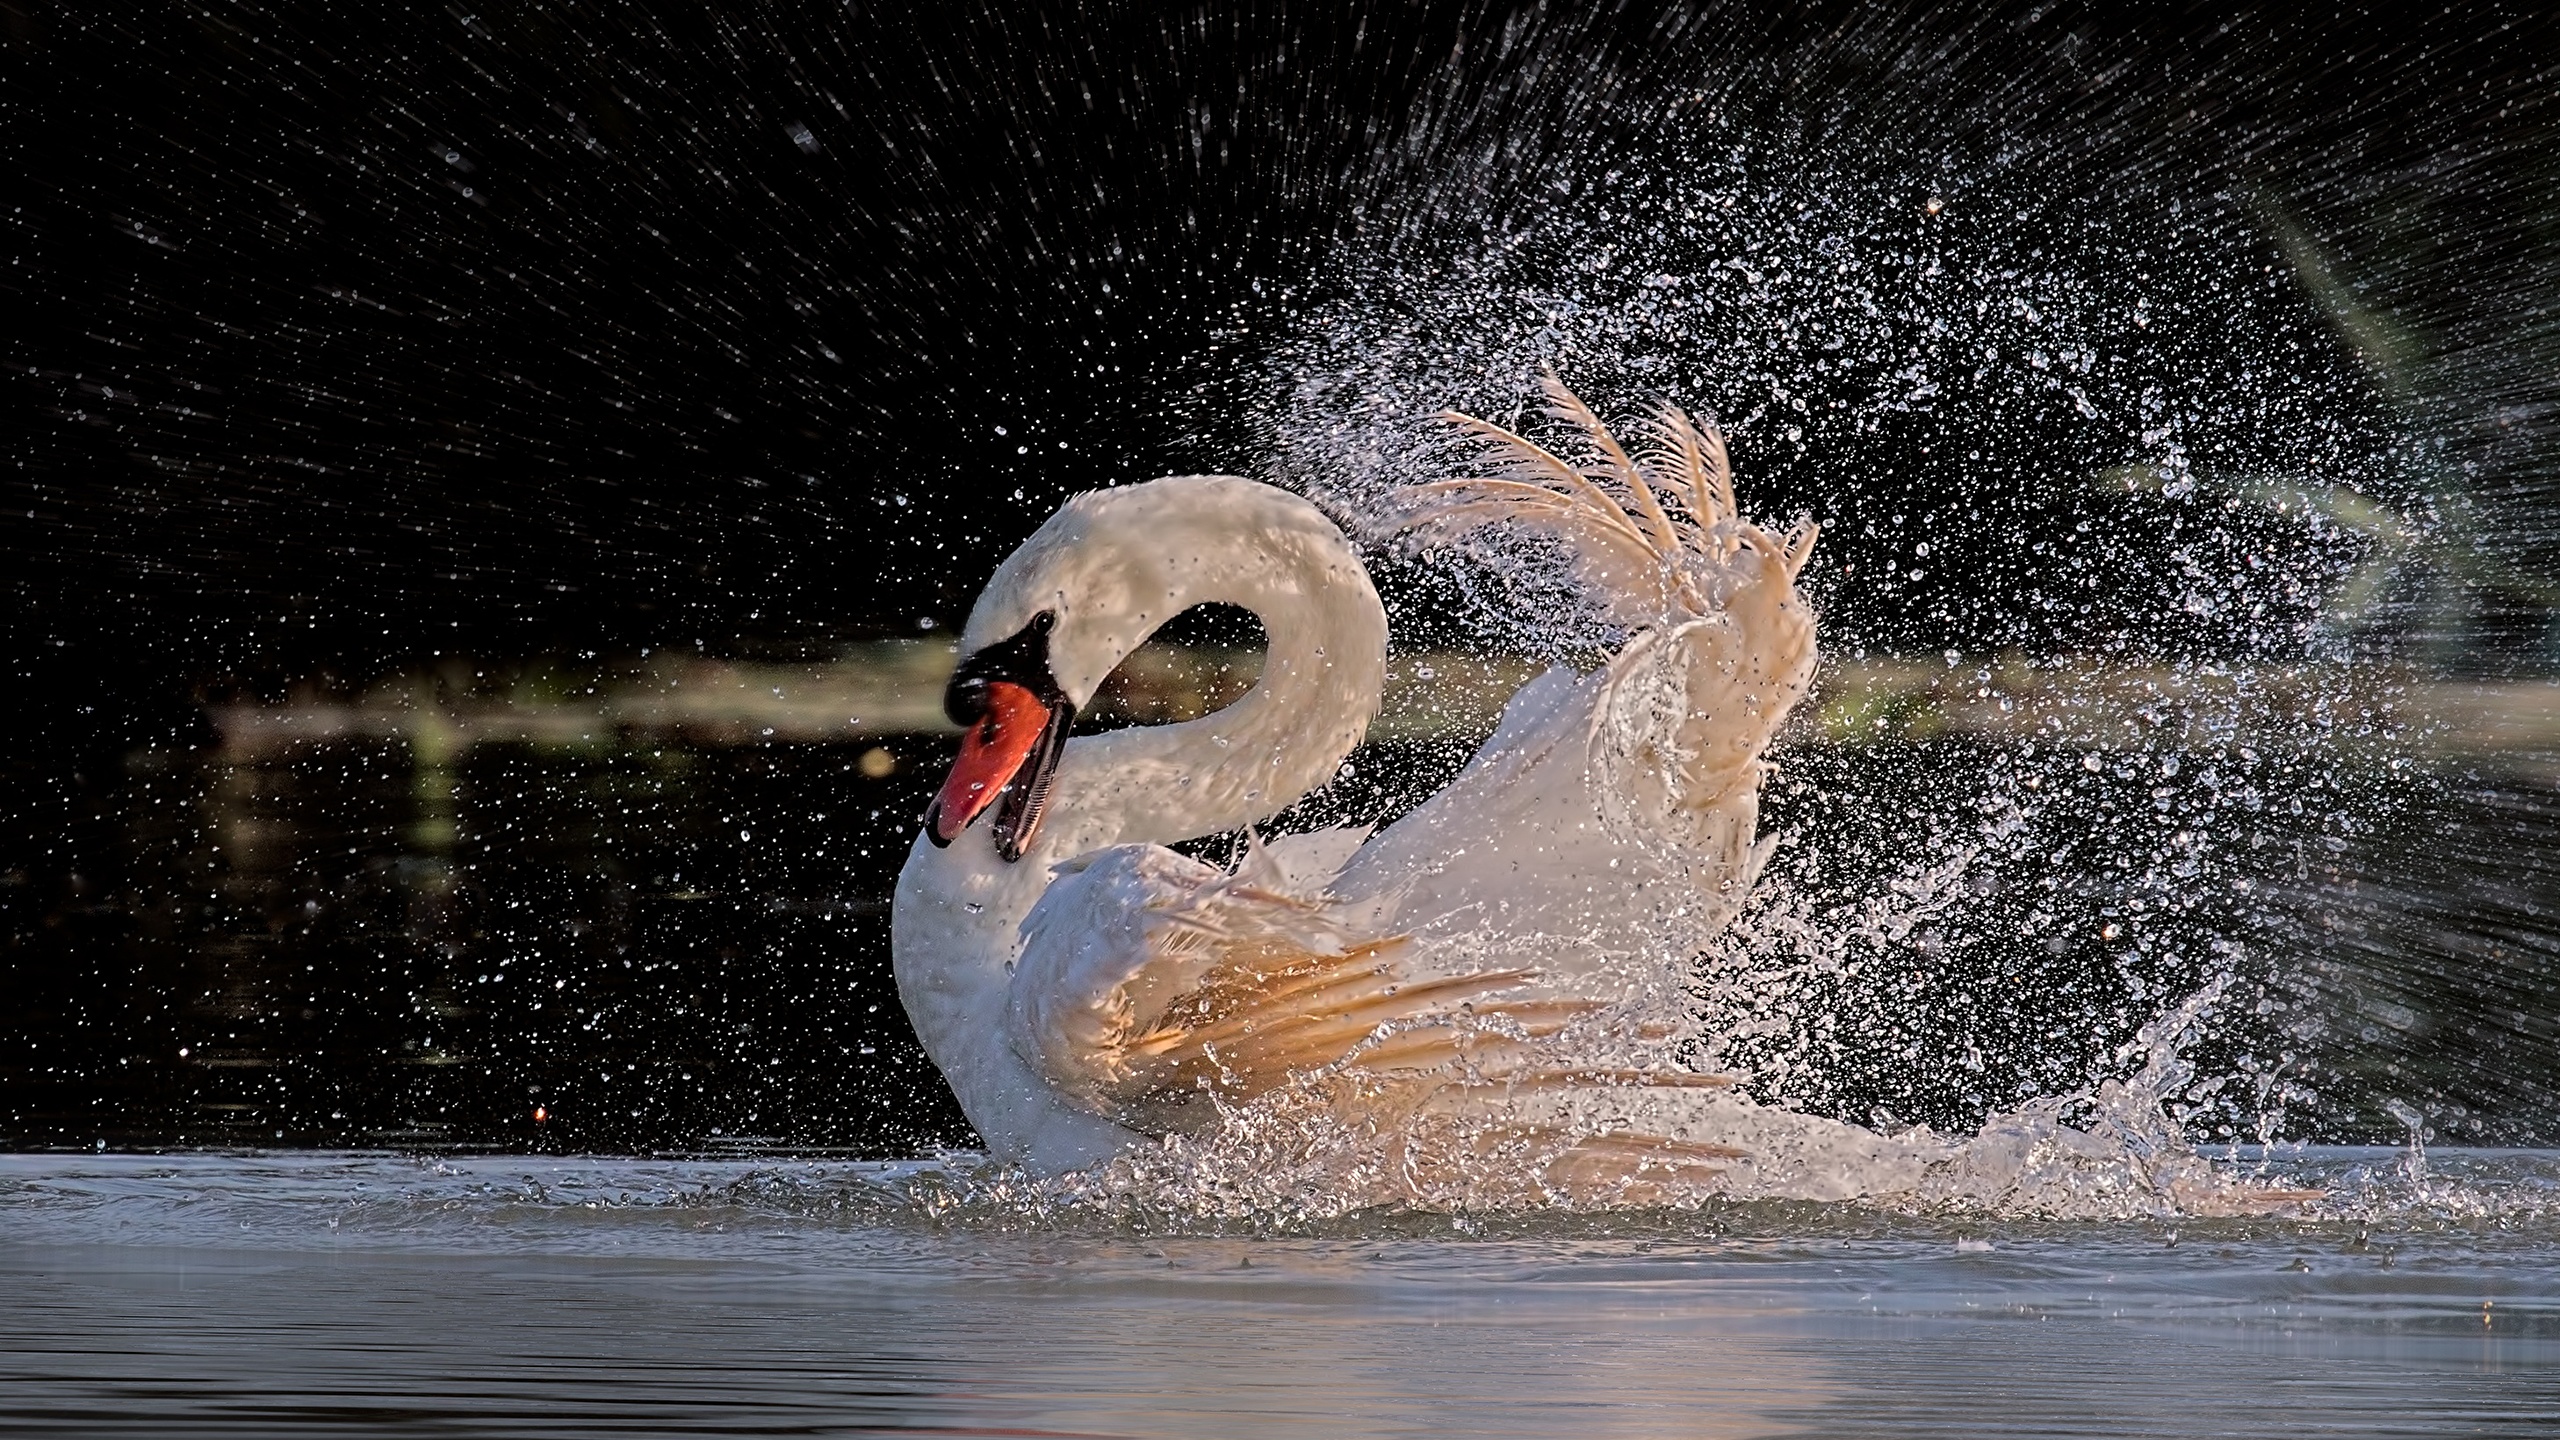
(328, 1294)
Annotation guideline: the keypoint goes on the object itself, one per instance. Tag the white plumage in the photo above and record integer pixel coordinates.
(1492, 981)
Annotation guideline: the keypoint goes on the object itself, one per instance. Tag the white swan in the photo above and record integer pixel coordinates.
(1491, 983)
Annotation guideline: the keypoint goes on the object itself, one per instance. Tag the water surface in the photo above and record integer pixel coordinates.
(329, 1294)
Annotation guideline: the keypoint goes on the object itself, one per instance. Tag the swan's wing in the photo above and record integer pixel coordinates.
(1687, 709)
(1721, 644)
(1304, 864)
(1608, 804)
(1148, 981)
(1503, 847)
(1652, 538)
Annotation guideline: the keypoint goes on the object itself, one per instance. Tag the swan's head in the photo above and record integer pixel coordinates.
(1086, 589)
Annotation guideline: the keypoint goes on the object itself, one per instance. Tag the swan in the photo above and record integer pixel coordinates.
(1492, 983)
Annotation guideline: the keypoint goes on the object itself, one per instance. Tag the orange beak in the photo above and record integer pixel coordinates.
(1007, 758)
(1017, 724)
(991, 754)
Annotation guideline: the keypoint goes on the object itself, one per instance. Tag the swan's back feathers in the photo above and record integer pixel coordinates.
(1302, 864)
(1150, 981)
(1153, 988)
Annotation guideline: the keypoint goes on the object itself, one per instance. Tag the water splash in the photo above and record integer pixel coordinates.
(2048, 418)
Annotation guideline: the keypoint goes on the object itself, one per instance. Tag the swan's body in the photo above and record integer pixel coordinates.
(1483, 1003)
(1489, 972)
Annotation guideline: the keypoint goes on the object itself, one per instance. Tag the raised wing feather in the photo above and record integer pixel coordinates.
(1652, 536)
(1596, 786)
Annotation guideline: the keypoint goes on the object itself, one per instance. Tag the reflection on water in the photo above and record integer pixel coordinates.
(646, 944)
(320, 1294)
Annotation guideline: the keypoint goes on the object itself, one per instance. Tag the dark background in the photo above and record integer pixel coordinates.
(340, 344)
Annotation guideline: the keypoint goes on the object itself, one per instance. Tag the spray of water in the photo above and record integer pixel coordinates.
(2097, 439)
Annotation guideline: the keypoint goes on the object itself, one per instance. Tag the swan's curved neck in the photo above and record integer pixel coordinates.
(1108, 569)
(1319, 689)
